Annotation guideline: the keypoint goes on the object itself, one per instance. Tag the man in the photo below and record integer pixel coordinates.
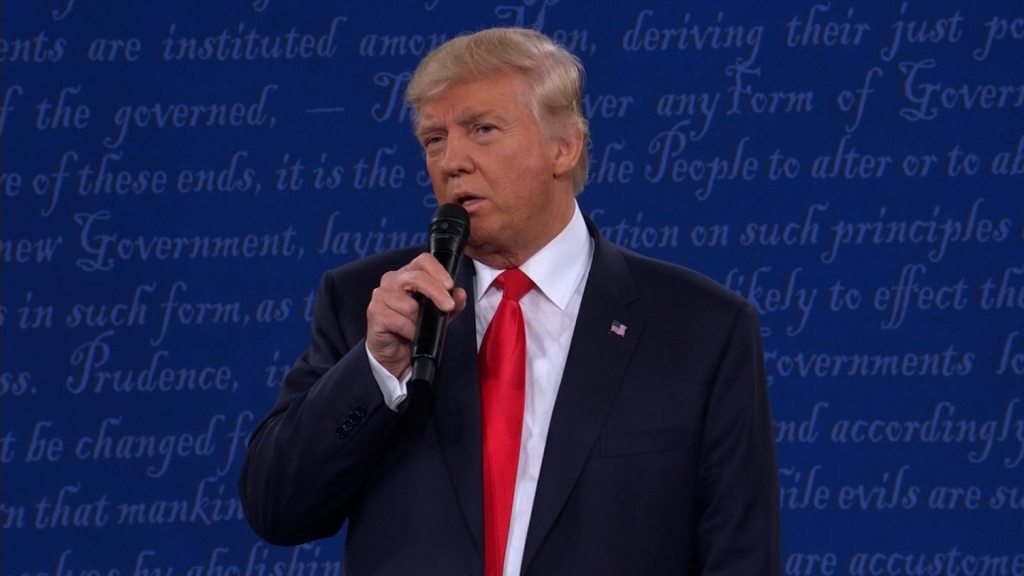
(637, 412)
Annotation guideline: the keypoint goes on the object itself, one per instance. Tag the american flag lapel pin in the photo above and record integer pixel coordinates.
(618, 328)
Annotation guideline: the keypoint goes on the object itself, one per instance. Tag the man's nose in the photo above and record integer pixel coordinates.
(456, 158)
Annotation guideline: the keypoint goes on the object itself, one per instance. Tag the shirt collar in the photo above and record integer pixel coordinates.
(555, 269)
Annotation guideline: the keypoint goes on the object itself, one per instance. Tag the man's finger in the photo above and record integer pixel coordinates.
(419, 281)
(431, 266)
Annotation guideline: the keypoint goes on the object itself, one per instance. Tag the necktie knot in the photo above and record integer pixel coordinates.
(514, 284)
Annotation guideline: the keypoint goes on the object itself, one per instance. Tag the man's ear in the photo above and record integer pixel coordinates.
(567, 153)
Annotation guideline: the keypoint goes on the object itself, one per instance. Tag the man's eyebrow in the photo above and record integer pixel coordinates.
(463, 118)
(422, 128)
(469, 117)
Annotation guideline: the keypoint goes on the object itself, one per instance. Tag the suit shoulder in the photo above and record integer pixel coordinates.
(352, 284)
(687, 287)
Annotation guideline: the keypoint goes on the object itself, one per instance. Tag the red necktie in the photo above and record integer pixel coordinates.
(502, 395)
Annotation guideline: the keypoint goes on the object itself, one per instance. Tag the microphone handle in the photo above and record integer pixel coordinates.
(430, 329)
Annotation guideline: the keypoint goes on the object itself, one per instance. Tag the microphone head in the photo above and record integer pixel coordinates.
(449, 228)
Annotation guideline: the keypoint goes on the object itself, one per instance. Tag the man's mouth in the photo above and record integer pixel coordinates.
(466, 200)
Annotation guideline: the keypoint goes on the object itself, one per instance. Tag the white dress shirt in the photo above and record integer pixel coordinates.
(559, 272)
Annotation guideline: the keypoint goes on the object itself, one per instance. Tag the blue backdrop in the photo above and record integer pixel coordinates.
(176, 177)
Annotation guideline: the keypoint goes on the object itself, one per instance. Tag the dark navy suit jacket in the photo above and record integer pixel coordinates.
(659, 459)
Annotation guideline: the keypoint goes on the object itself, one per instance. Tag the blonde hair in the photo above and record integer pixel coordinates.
(556, 77)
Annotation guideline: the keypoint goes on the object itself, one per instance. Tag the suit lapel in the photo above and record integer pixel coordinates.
(594, 369)
(457, 410)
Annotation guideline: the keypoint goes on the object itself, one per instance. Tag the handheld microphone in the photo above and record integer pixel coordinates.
(449, 230)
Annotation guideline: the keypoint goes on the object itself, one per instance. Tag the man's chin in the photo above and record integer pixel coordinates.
(477, 248)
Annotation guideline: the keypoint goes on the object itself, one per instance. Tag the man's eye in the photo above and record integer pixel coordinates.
(485, 128)
(431, 140)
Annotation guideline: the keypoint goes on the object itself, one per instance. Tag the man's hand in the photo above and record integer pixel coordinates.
(391, 316)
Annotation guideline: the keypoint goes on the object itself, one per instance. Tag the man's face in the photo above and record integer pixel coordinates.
(486, 152)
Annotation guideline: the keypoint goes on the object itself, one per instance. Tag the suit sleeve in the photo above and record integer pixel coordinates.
(308, 458)
(738, 531)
